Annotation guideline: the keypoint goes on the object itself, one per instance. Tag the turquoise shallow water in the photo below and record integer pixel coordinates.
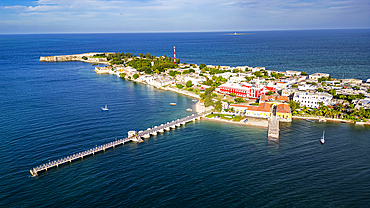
(50, 110)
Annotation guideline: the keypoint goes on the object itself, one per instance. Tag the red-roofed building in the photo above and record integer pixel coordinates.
(263, 110)
(244, 90)
(272, 98)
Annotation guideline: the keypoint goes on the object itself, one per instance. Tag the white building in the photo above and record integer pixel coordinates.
(352, 81)
(281, 85)
(301, 78)
(147, 78)
(237, 79)
(288, 92)
(292, 73)
(363, 103)
(312, 100)
(242, 68)
(316, 76)
(226, 75)
(196, 80)
(306, 87)
(255, 69)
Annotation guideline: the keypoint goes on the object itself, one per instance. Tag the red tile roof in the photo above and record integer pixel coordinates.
(283, 108)
(278, 97)
(264, 107)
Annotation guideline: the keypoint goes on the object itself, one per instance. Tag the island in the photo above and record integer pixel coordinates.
(241, 94)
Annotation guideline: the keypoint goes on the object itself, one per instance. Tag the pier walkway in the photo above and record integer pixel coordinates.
(132, 136)
(273, 125)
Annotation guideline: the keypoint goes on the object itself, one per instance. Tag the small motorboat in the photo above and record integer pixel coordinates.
(194, 100)
(172, 103)
(104, 109)
(189, 109)
(310, 120)
(322, 140)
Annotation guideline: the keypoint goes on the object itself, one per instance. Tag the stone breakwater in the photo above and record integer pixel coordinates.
(85, 57)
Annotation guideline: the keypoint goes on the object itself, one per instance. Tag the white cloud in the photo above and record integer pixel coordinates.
(192, 15)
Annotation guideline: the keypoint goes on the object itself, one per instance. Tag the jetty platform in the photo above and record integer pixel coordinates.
(133, 136)
(273, 125)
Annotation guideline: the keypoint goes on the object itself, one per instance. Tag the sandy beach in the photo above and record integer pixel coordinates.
(183, 92)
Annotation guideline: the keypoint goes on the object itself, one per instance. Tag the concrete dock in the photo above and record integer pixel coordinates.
(273, 125)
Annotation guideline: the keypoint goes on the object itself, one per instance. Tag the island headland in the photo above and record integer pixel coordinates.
(241, 94)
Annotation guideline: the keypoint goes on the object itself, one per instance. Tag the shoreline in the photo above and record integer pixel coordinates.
(316, 118)
(250, 122)
(198, 108)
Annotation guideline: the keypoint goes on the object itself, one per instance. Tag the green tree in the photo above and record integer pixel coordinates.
(101, 55)
(233, 94)
(135, 76)
(189, 83)
(332, 92)
(179, 86)
(148, 56)
(320, 90)
(258, 73)
(207, 96)
(304, 73)
(294, 105)
(202, 65)
(172, 73)
(269, 93)
(295, 86)
(236, 70)
(361, 112)
(84, 57)
(218, 106)
(322, 79)
(239, 100)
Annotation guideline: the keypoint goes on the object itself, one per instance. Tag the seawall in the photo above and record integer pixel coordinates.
(75, 57)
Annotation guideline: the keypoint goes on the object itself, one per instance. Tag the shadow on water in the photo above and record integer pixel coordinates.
(272, 146)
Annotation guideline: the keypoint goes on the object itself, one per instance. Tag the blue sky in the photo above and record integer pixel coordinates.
(106, 16)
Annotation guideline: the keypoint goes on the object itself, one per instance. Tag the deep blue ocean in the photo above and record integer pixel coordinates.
(51, 110)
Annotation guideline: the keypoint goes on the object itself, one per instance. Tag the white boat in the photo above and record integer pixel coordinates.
(172, 103)
(104, 109)
(189, 109)
(322, 140)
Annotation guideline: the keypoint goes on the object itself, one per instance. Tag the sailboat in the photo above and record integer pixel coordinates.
(322, 140)
(104, 109)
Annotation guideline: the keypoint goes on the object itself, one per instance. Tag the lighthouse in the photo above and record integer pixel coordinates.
(174, 55)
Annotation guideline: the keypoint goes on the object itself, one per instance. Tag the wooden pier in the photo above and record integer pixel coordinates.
(132, 136)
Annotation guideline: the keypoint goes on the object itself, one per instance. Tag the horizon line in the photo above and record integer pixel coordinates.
(157, 32)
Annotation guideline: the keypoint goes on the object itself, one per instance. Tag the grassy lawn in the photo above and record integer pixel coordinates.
(226, 117)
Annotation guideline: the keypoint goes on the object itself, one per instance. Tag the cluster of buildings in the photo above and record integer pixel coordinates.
(243, 82)
(263, 110)
(244, 90)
